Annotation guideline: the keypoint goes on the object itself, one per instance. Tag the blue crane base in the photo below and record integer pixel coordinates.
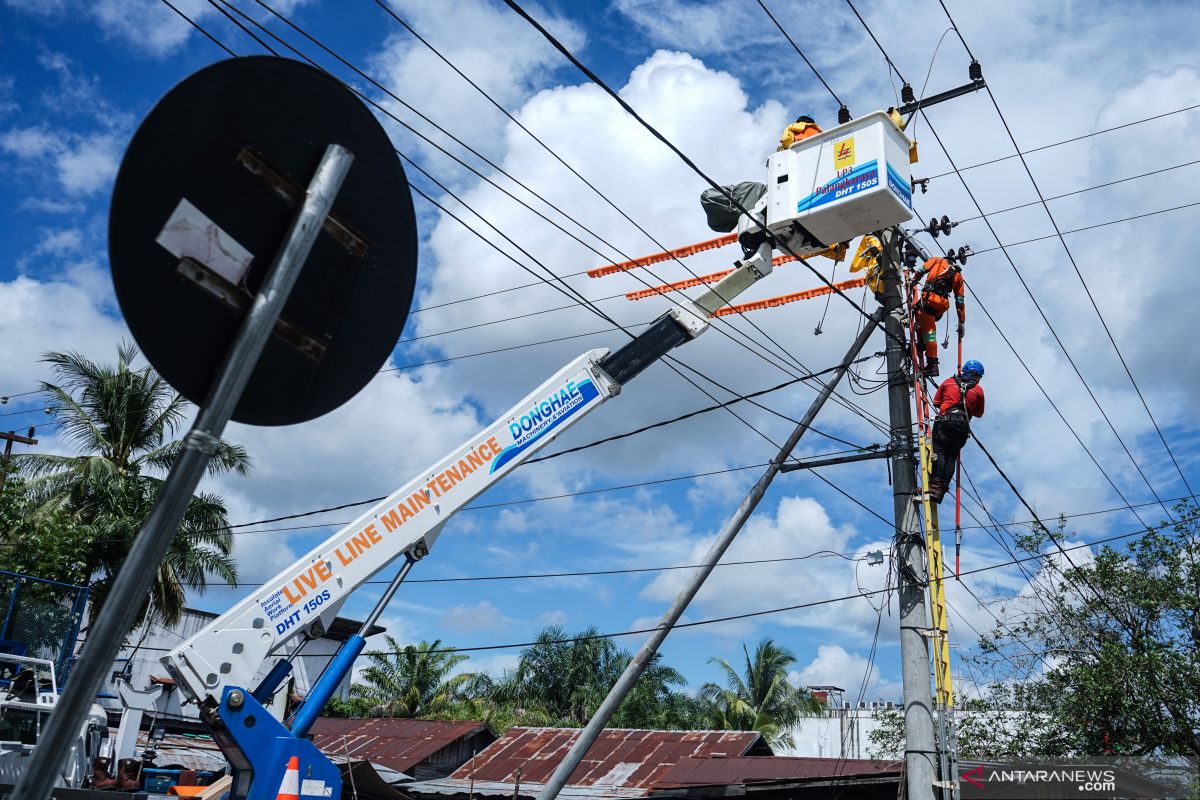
(259, 749)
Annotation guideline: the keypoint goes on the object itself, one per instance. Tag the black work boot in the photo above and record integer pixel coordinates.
(931, 368)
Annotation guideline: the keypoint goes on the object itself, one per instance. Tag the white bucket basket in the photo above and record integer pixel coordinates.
(845, 182)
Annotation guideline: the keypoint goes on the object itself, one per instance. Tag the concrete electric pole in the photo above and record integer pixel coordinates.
(920, 752)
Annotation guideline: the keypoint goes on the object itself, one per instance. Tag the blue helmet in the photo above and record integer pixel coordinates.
(973, 366)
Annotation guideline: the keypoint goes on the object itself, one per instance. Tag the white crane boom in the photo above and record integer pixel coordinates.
(304, 598)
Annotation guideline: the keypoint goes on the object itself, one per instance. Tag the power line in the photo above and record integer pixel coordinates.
(1021, 278)
(968, 219)
(672, 363)
(579, 297)
(590, 573)
(621, 211)
(211, 38)
(1071, 257)
(704, 410)
(1041, 388)
(1081, 191)
(1084, 228)
(558, 45)
(1122, 126)
(566, 290)
(1049, 325)
(800, 53)
(748, 614)
(1080, 440)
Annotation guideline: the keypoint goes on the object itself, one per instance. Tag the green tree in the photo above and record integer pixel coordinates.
(760, 698)
(1108, 649)
(999, 728)
(120, 421)
(562, 679)
(40, 614)
(411, 681)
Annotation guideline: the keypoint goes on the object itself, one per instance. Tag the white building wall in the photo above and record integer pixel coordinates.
(839, 733)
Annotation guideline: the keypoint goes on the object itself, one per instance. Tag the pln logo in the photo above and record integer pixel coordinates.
(843, 153)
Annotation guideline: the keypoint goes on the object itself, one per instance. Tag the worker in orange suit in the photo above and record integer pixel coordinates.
(942, 279)
(803, 128)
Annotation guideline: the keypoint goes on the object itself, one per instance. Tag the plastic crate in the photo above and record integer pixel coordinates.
(159, 780)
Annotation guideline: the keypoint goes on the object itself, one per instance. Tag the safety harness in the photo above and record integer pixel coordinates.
(943, 284)
(955, 421)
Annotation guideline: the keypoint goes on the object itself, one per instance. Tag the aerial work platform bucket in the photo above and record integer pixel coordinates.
(848, 181)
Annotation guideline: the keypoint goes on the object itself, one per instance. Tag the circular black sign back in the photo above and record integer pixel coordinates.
(201, 205)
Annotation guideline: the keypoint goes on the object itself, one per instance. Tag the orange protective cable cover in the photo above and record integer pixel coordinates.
(783, 299)
(679, 252)
(642, 294)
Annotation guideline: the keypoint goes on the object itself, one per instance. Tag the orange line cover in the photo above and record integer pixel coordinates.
(642, 294)
(679, 252)
(783, 299)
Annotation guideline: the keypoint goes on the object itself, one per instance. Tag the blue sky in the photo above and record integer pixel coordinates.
(720, 81)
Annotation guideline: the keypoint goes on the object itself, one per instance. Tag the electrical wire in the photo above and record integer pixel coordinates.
(1084, 228)
(367, 77)
(1081, 191)
(1041, 388)
(210, 37)
(558, 45)
(745, 615)
(1074, 265)
(587, 573)
(800, 53)
(737, 339)
(1045, 319)
(558, 158)
(1120, 127)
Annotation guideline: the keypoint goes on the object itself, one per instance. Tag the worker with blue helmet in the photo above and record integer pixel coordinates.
(957, 400)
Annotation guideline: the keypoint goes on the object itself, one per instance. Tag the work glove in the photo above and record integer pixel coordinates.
(962, 329)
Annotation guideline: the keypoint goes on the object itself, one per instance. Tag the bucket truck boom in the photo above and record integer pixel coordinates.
(214, 667)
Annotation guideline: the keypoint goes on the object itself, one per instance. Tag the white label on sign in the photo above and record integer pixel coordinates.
(315, 788)
(189, 233)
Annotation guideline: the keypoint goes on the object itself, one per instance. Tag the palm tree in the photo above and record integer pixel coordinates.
(564, 677)
(760, 698)
(120, 421)
(412, 681)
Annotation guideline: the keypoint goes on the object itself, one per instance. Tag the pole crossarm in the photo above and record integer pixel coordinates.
(827, 462)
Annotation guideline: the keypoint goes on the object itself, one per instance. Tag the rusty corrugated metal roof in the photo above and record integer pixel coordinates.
(396, 743)
(628, 759)
(754, 769)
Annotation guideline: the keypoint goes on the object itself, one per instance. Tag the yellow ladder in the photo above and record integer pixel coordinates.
(944, 697)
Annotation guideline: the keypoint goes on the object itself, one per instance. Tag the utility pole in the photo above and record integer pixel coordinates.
(920, 752)
(9, 438)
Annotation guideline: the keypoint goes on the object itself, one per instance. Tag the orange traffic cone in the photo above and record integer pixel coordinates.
(289, 789)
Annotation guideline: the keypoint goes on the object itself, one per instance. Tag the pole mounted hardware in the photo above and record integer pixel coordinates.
(922, 182)
(959, 256)
(843, 115)
(912, 105)
(906, 93)
(942, 226)
(911, 255)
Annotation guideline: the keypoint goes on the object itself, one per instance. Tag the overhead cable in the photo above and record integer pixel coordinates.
(1074, 265)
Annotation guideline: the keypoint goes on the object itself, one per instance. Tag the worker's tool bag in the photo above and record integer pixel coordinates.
(953, 426)
(933, 304)
(722, 215)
